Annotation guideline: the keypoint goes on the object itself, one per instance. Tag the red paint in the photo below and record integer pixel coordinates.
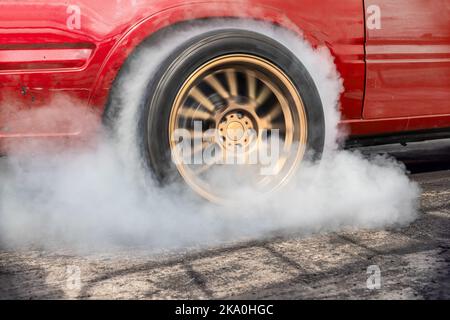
(26, 59)
(408, 62)
(403, 81)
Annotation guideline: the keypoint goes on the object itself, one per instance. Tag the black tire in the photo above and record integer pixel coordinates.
(165, 83)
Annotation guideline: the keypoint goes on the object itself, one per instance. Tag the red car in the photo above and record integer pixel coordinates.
(393, 57)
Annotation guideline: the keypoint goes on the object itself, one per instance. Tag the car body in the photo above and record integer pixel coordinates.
(396, 76)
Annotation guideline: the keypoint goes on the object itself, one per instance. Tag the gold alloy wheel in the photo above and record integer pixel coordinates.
(235, 103)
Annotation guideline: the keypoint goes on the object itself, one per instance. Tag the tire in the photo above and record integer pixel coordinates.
(163, 88)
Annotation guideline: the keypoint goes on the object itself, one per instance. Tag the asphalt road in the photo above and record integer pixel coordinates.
(413, 262)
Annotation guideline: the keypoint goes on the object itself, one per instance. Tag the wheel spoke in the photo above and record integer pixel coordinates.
(251, 85)
(274, 113)
(263, 95)
(265, 124)
(202, 99)
(269, 125)
(232, 82)
(190, 113)
(217, 86)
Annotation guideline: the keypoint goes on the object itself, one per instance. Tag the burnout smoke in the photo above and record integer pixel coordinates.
(99, 197)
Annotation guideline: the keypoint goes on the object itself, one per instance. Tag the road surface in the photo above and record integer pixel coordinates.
(408, 263)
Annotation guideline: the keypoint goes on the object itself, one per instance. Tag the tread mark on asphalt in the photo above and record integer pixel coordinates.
(284, 258)
(198, 280)
(375, 252)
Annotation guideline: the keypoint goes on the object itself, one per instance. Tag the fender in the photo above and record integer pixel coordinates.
(349, 50)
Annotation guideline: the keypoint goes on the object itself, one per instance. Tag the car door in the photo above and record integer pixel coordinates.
(408, 61)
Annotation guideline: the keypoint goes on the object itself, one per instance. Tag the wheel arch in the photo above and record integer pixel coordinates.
(147, 28)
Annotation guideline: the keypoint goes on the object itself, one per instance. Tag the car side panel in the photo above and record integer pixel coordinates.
(408, 63)
(41, 56)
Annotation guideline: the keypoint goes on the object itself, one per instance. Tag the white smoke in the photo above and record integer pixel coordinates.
(97, 197)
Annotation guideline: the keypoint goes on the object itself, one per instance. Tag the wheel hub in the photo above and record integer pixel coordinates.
(235, 129)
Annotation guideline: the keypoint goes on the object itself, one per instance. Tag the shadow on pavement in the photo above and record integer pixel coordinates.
(418, 157)
(21, 281)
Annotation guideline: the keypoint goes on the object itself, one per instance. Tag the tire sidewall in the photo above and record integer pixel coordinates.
(163, 87)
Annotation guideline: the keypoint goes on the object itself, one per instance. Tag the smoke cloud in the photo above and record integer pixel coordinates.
(98, 196)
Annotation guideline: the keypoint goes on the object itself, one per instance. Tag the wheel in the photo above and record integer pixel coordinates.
(230, 94)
